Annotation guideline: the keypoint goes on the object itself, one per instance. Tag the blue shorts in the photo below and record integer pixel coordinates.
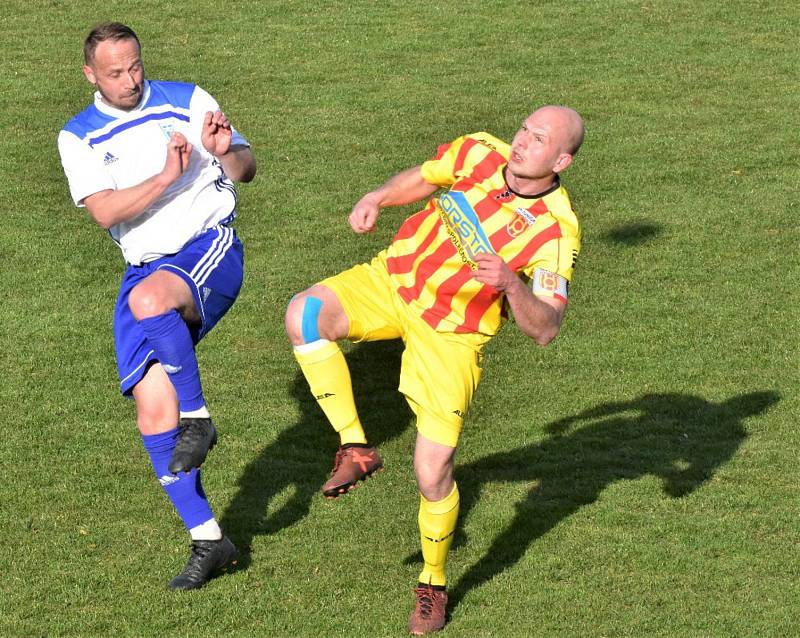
(213, 267)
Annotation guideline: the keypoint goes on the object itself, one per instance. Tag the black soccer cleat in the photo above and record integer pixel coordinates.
(195, 438)
(208, 559)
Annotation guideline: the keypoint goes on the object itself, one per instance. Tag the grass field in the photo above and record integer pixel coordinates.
(638, 477)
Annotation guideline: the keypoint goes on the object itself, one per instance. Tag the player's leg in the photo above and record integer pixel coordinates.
(157, 415)
(437, 517)
(180, 300)
(163, 305)
(355, 305)
(439, 377)
(315, 320)
(438, 511)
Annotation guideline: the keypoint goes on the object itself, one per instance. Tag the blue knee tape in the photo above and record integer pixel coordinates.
(310, 316)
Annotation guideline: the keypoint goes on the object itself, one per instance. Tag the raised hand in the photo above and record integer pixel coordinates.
(179, 152)
(216, 133)
(364, 215)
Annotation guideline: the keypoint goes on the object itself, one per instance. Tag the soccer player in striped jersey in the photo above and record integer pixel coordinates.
(502, 237)
(154, 163)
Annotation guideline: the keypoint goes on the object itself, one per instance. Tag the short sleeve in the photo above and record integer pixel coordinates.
(442, 169)
(85, 171)
(557, 256)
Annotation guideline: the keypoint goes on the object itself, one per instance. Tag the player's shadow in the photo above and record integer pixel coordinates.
(634, 233)
(681, 439)
(300, 459)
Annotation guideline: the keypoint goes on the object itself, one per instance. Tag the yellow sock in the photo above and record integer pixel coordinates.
(437, 524)
(328, 376)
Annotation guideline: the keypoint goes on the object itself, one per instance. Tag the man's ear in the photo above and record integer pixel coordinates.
(564, 160)
(89, 73)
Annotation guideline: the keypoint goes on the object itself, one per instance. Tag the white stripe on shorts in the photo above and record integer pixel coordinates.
(213, 257)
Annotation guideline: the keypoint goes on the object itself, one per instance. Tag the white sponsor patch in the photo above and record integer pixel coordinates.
(526, 215)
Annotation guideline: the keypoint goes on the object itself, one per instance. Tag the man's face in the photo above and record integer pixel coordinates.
(538, 148)
(117, 72)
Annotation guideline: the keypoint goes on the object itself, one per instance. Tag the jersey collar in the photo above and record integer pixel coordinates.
(555, 186)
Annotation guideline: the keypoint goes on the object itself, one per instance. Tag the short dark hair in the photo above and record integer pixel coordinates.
(106, 31)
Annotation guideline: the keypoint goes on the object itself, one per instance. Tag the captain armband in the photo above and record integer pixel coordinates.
(548, 284)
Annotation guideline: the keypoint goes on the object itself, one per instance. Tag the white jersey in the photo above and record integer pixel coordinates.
(105, 148)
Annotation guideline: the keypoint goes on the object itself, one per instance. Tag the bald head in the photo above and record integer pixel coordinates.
(542, 148)
(566, 123)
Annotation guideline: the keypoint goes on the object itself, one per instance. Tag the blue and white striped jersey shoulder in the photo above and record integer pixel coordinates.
(87, 121)
(163, 101)
(178, 94)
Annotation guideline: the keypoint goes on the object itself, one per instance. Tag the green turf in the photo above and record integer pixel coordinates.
(638, 477)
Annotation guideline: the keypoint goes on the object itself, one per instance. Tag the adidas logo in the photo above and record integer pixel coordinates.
(170, 369)
(168, 480)
(108, 158)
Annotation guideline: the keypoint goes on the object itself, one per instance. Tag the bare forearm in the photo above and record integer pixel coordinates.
(406, 187)
(239, 164)
(536, 318)
(110, 207)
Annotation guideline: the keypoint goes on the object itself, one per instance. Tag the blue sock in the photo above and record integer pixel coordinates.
(170, 338)
(184, 490)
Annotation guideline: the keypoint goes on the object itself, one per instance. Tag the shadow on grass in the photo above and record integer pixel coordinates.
(681, 439)
(634, 233)
(300, 459)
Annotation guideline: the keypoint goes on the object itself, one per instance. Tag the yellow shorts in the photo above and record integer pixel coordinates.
(439, 371)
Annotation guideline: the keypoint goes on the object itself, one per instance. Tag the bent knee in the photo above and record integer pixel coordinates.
(293, 319)
(146, 301)
(155, 418)
(314, 314)
(434, 479)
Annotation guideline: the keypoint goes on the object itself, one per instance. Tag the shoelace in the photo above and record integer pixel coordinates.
(425, 600)
(196, 557)
(200, 550)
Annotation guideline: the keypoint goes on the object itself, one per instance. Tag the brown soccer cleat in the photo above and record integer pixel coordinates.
(354, 462)
(429, 613)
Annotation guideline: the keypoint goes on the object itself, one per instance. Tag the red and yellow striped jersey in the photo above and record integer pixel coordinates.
(430, 259)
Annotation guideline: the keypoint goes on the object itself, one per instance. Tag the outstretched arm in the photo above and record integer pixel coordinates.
(404, 188)
(110, 207)
(538, 317)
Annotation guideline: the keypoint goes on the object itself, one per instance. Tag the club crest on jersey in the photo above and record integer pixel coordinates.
(167, 129)
(464, 227)
(522, 220)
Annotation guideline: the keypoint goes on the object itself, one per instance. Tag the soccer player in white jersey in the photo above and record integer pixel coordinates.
(154, 163)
